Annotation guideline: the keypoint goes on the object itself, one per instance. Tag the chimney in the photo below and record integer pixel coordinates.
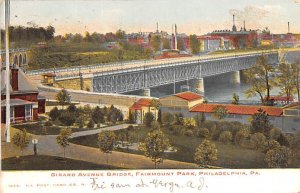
(288, 27)
(14, 79)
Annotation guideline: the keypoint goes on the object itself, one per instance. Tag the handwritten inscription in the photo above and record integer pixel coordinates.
(153, 183)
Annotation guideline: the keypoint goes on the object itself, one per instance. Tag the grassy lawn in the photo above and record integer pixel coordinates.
(38, 129)
(42, 162)
(229, 155)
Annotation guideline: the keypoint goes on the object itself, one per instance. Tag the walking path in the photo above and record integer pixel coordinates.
(47, 146)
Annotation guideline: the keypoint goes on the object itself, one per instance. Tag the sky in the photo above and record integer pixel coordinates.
(191, 16)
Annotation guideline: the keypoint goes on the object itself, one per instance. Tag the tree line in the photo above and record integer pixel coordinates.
(29, 34)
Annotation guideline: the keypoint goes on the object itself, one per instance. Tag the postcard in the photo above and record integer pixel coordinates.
(150, 95)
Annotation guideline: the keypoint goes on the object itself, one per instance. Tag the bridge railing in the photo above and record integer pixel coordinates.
(121, 66)
(15, 50)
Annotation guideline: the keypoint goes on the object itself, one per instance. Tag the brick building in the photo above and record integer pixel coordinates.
(25, 101)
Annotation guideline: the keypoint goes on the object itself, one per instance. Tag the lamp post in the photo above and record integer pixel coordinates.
(35, 142)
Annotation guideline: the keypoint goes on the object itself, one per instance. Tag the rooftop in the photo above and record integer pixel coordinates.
(189, 96)
(238, 109)
(141, 103)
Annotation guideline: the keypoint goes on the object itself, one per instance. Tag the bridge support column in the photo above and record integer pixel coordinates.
(199, 85)
(146, 92)
(236, 77)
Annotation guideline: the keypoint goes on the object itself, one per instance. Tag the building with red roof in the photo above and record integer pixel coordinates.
(180, 102)
(141, 107)
(25, 101)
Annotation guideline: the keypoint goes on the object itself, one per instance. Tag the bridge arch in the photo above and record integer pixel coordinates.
(16, 61)
(20, 60)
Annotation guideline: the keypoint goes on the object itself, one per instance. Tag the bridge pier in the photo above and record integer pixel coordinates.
(146, 92)
(199, 85)
(236, 77)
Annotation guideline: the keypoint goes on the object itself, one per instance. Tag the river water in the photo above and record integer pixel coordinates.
(218, 88)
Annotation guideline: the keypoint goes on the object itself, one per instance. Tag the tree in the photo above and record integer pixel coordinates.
(200, 119)
(148, 119)
(63, 97)
(241, 135)
(54, 113)
(260, 75)
(225, 137)
(260, 123)
(167, 118)
(258, 140)
(154, 146)
(156, 41)
(67, 118)
(166, 43)
(106, 141)
(220, 112)
(285, 81)
(235, 99)
(156, 104)
(206, 153)
(270, 144)
(194, 44)
(296, 77)
(278, 157)
(179, 119)
(63, 138)
(21, 140)
(97, 115)
(120, 34)
(203, 133)
(131, 117)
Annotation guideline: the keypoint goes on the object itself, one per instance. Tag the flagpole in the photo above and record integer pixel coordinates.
(7, 69)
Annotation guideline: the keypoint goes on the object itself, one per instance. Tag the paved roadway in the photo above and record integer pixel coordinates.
(47, 146)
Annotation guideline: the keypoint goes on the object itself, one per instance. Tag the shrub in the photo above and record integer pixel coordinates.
(80, 122)
(270, 144)
(178, 130)
(241, 135)
(167, 118)
(257, 140)
(48, 123)
(54, 113)
(206, 153)
(214, 132)
(91, 124)
(278, 157)
(203, 133)
(225, 137)
(67, 118)
(148, 118)
(275, 133)
(188, 133)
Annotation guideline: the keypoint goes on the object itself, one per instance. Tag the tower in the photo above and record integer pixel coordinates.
(175, 37)
(288, 27)
(157, 27)
(245, 25)
(234, 26)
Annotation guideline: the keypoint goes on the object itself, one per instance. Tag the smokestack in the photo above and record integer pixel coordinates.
(288, 27)
(14, 79)
(175, 37)
(156, 27)
(233, 21)
(244, 25)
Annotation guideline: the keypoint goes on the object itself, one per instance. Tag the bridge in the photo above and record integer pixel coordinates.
(146, 77)
(18, 57)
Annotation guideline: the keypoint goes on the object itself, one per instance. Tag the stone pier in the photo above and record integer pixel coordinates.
(236, 77)
(146, 92)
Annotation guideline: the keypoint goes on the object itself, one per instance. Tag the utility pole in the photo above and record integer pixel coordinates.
(7, 18)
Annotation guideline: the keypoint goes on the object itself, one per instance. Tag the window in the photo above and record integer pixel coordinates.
(27, 111)
(297, 120)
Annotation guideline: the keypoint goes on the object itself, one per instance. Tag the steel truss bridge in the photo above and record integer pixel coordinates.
(145, 77)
